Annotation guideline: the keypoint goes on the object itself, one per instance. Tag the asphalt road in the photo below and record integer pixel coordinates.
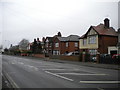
(34, 73)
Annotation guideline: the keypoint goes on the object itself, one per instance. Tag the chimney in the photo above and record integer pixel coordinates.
(38, 39)
(106, 23)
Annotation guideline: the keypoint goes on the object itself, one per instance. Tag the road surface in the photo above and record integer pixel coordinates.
(34, 73)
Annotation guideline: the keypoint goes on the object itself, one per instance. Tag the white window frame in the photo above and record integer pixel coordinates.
(76, 44)
(66, 44)
(92, 40)
(84, 42)
(56, 44)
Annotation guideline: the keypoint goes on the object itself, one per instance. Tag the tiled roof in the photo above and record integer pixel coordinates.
(62, 38)
(73, 38)
(69, 38)
(49, 38)
(101, 30)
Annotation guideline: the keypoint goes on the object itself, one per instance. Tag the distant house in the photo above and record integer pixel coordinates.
(98, 38)
(23, 45)
(48, 44)
(58, 45)
(63, 45)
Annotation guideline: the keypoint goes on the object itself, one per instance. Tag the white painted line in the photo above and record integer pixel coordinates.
(104, 82)
(33, 67)
(12, 63)
(79, 74)
(36, 69)
(59, 76)
(11, 80)
(54, 69)
(21, 63)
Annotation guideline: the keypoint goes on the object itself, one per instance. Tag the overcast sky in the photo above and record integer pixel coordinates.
(41, 18)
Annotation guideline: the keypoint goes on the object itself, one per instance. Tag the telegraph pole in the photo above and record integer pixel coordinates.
(118, 41)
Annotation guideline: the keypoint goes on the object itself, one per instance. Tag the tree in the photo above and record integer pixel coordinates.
(36, 47)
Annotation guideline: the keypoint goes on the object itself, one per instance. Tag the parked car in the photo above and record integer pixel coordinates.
(116, 56)
(24, 54)
(94, 59)
(72, 53)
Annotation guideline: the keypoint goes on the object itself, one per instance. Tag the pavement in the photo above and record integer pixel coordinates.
(89, 64)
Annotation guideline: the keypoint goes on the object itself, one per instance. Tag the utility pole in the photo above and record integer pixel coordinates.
(118, 41)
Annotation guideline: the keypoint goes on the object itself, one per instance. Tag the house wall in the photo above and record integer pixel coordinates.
(71, 47)
(56, 48)
(105, 42)
(90, 46)
(62, 46)
(63, 57)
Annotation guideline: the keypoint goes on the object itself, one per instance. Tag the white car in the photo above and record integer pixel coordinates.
(72, 53)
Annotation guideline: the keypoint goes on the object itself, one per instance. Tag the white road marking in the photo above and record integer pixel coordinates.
(36, 69)
(12, 63)
(54, 69)
(11, 80)
(104, 82)
(21, 63)
(79, 74)
(59, 76)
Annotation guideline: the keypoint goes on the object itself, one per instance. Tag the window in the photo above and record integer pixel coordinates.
(93, 51)
(76, 44)
(56, 44)
(66, 44)
(56, 52)
(84, 41)
(92, 39)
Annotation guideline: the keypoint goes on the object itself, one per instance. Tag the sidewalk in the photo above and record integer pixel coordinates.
(89, 64)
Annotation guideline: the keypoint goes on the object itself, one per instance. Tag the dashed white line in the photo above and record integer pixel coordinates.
(59, 76)
(12, 63)
(21, 63)
(99, 82)
(54, 69)
(80, 74)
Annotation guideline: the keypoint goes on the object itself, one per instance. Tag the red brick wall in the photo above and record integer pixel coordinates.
(63, 57)
(72, 47)
(38, 55)
(62, 46)
(105, 41)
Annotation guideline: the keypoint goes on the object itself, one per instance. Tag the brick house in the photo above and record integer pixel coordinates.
(98, 38)
(58, 45)
(62, 45)
(48, 43)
